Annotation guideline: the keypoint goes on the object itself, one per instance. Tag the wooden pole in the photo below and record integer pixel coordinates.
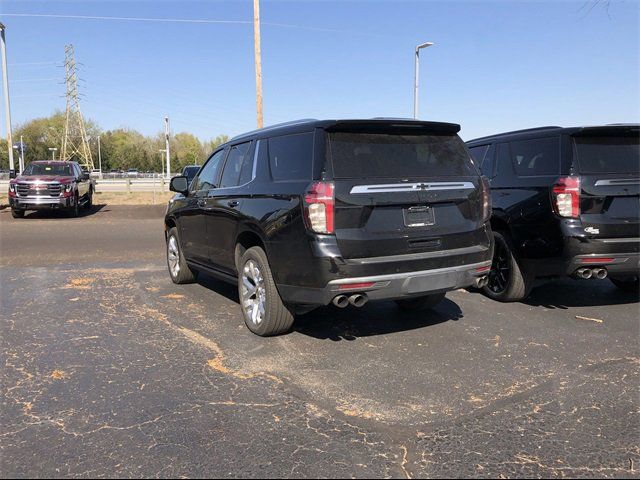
(256, 42)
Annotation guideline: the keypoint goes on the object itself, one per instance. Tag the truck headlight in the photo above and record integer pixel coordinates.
(67, 187)
(12, 188)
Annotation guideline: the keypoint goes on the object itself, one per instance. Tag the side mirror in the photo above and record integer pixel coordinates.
(12, 174)
(179, 184)
(85, 176)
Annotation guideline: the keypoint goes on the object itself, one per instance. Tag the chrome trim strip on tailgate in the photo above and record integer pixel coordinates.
(411, 187)
(417, 256)
(617, 181)
(617, 240)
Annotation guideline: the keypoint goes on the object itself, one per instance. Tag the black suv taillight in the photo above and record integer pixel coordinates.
(485, 195)
(566, 197)
(319, 207)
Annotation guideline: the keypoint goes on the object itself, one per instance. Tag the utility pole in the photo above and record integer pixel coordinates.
(417, 72)
(21, 155)
(166, 146)
(7, 104)
(256, 45)
(99, 157)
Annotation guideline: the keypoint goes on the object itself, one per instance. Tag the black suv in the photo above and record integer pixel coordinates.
(565, 202)
(312, 212)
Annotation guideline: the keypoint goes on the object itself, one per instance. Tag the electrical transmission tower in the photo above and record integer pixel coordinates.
(75, 144)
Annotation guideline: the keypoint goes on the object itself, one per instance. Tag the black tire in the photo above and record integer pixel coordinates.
(75, 210)
(274, 317)
(420, 303)
(179, 271)
(628, 284)
(89, 203)
(508, 281)
(17, 213)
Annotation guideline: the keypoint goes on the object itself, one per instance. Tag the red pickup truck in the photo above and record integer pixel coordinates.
(51, 185)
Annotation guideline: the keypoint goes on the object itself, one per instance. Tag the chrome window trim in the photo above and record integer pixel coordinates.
(411, 187)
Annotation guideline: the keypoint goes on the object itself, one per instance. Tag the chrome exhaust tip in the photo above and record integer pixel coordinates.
(585, 273)
(340, 301)
(358, 300)
(600, 273)
(481, 282)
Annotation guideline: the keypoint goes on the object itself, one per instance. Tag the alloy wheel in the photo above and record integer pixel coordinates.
(173, 256)
(500, 268)
(253, 292)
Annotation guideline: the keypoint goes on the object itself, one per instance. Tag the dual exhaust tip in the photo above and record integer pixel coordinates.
(481, 282)
(357, 300)
(586, 273)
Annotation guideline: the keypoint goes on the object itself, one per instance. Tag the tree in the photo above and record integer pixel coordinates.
(188, 151)
(214, 143)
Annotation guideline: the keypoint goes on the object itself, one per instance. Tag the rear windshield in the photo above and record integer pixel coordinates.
(48, 169)
(614, 154)
(370, 155)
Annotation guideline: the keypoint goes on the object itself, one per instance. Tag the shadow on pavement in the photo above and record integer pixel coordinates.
(567, 293)
(375, 318)
(46, 214)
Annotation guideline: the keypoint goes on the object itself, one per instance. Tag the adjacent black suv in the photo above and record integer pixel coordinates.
(312, 212)
(565, 202)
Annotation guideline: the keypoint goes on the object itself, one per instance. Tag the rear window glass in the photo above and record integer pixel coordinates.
(49, 169)
(290, 156)
(608, 154)
(540, 156)
(369, 155)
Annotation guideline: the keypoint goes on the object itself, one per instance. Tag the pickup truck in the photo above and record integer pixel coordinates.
(49, 185)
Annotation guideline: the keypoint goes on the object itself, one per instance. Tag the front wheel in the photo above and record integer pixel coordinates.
(420, 303)
(628, 284)
(262, 308)
(74, 211)
(17, 213)
(508, 282)
(89, 202)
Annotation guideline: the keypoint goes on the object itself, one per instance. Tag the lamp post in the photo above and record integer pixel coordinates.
(53, 151)
(415, 83)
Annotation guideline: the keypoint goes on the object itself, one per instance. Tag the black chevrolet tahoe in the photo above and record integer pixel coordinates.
(565, 202)
(312, 212)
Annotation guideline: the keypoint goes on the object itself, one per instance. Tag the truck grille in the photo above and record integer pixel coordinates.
(51, 189)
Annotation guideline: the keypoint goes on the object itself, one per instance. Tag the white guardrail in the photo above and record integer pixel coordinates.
(127, 185)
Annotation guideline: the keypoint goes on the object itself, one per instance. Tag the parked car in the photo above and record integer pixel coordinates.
(51, 185)
(190, 172)
(96, 173)
(133, 173)
(309, 213)
(566, 201)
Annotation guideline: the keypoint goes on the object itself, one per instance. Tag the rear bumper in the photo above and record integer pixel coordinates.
(390, 286)
(40, 202)
(615, 263)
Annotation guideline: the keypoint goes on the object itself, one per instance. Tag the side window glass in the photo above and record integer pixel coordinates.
(478, 153)
(291, 156)
(246, 172)
(209, 173)
(232, 169)
(540, 156)
(503, 161)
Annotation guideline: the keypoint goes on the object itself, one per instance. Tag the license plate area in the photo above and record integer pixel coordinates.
(418, 216)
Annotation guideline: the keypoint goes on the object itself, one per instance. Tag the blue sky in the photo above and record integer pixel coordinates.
(496, 66)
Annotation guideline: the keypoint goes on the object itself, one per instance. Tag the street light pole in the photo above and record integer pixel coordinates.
(416, 75)
(162, 152)
(99, 157)
(53, 152)
(7, 104)
(21, 155)
(167, 151)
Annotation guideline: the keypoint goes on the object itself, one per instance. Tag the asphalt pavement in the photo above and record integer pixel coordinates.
(111, 370)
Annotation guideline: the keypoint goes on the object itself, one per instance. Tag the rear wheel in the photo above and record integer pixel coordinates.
(420, 303)
(89, 202)
(17, 213)
(508, 282)
(628, 284)
(178, 268)
(264, 312)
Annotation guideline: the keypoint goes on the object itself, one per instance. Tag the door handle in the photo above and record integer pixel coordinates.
(233, 203)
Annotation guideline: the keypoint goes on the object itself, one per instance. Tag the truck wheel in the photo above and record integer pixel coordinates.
(628, 284)
(508, 282)
(74, 211)
(89, 203)
(420, 303)
(262, 308)
(17, 213)
(178, 268)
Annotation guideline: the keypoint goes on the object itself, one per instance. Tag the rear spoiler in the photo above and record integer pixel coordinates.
(411, 127)
(607, 130)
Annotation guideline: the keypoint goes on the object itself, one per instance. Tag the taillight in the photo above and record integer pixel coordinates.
(318, 207)
(486, 198)
(566, 197)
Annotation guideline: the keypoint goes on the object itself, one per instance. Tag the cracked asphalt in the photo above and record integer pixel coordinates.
(113, 371)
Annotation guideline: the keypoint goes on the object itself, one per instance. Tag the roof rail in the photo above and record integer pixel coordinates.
(524, 130)
(277, 125)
